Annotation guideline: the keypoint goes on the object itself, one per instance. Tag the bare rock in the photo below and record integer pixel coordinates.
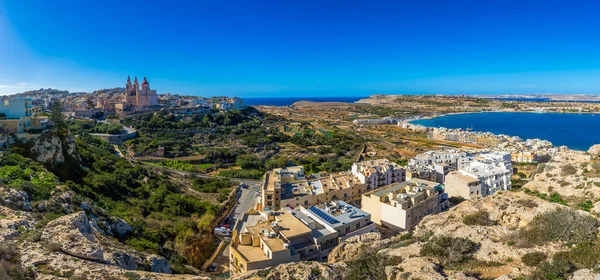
(120, 227)
(353, 247)
(584, 274)
(158, 264)
(594, 150)
(10, 221)
(300, 270)
(420, 268)
(124, 260)
(75, 236)
(15, 198)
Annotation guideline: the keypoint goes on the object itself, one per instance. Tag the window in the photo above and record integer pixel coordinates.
(358, 225)
(306, 202)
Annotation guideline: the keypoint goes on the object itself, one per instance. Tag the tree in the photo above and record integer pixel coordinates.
(56, 115)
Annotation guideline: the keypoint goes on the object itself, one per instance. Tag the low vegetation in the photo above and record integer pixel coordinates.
(533, 259)
(561, 225)
(449, 250)
(479, 218)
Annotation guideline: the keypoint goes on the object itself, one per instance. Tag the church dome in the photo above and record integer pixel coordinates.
(145, 81)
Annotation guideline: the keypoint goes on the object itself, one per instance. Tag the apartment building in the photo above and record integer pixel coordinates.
(455, 159)
(262, 239)
(401, 206)
(278, 180)
(420, 172)
(492, 177)
(462, 184)
(288, 187)
(333, 222)
(378, 173)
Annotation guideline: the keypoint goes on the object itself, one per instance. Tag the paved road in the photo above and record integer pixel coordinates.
(245, 200)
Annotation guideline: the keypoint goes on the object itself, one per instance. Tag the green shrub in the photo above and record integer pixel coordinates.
(527, 203)
(479, 218)
(556, 198)
(131, 275)
(585, 255)
(556, 269)
(455, 200)
(449, 250)
(533, 259)
(370, 266)
(562, 224)
(586, 206)
(568, 169)
(540, 168)
(242, 174)
(210, 185)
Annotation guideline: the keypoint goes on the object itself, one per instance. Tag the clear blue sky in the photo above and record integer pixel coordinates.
(302, 48)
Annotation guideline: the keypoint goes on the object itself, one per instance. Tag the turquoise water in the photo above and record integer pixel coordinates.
(577, 131)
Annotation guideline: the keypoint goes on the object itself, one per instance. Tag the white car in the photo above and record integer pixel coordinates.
(222, 231)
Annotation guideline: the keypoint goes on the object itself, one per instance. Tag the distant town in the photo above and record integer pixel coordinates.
(25, 115)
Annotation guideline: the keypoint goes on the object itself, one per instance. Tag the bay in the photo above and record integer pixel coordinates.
(577, 131)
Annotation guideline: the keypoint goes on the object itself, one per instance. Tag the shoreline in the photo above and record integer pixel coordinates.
(411, 122)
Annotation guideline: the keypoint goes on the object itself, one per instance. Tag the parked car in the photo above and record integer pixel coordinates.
(222, 231)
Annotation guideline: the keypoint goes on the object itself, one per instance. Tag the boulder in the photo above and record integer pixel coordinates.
(120, 227)
(594, 150)
(158, 264)
(584, 274)
(124, 260)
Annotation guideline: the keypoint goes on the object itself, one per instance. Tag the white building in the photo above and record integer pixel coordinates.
(401, 206)
(442, 162)
(378, 173)
(454, 158)
(493, 171)
(462, 184)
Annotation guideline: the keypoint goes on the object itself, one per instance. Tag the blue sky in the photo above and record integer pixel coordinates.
(302, 48)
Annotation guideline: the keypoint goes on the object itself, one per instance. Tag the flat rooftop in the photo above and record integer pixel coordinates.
(383, 191)
(339, 214)
(464, 177)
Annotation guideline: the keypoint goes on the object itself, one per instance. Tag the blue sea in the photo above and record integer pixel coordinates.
(289, 101)
(577, 131)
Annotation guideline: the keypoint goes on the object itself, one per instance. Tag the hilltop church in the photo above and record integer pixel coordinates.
(134, 96)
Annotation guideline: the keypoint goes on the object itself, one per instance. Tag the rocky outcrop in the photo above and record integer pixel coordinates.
(15, 199)
(570, 175)
(584, 274)
(124, 260)
(594, 151)
(74, 235)
(354, 247)
(50, 148)
(300, 270)
(420, 268)
(11, 221)
(158, 264)
(120, 227)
